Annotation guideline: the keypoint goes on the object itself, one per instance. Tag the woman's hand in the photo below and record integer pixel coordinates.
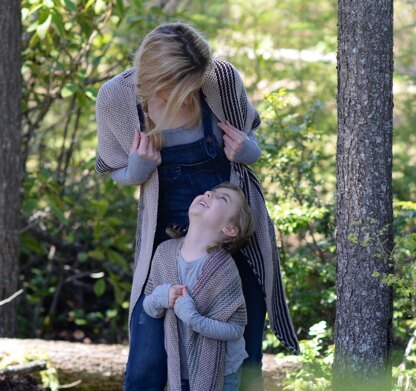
(234, 140)
(143, 145)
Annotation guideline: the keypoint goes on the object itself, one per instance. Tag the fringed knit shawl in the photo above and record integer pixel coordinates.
(218, 295)
(223, 90)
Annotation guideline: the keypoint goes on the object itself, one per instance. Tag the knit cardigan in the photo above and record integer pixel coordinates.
(223, 90)
(217, 295)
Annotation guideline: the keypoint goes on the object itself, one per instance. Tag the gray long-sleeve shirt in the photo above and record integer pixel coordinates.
(156, 304)
(138, 169)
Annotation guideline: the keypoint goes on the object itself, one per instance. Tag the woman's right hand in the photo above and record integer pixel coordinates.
(143, 146)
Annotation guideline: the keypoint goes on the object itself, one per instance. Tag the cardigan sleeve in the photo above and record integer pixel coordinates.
(225, 94)
(186, 311)
(117, 119)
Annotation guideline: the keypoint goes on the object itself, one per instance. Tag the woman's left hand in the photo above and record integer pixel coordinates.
(234, 140)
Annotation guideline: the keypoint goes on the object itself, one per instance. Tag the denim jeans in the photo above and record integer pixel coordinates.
(252, 378)
(146, 368)
(231, 382)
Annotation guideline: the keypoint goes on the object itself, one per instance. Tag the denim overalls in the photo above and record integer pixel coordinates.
(185, 172)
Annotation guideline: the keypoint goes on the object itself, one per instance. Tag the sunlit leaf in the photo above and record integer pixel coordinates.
(43, 28)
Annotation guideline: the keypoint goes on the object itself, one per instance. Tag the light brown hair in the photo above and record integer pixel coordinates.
(243, 220)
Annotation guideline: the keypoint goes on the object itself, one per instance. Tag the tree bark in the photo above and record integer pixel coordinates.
(10, 173)
(363, 326)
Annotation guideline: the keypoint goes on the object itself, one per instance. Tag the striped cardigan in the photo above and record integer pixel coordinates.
(223, 90)
(217, 295)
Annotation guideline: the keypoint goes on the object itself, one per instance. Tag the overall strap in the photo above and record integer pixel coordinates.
(141, 116)
(209, 138)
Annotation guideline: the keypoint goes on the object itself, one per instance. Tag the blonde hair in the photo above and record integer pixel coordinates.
(172, 57)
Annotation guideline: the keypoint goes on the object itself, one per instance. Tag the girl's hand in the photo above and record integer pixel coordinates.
(143, 145)
(234, 140)
(175, 292)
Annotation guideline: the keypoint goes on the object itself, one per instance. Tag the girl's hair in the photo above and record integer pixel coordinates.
(243, 220)
(173, 57)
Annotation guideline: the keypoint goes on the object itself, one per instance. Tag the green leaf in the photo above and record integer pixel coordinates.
(117, 259)
(96, 254)
(99, 7)
(99, 287)
(55, 209)
(69, 90)
(58, 21)
(43, 28)
(48, 3)
(70, 5)
(82, 256)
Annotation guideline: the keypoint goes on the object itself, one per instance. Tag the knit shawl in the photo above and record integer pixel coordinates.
(223, 90)
(217, 295)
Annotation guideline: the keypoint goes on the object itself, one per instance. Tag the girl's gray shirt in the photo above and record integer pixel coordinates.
(156, 304)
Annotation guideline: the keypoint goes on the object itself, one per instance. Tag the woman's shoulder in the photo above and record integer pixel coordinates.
(224, 69)
(125, 78)
(222, 78)
(118, 87)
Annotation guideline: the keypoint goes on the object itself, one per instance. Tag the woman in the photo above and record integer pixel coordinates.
(197, 130)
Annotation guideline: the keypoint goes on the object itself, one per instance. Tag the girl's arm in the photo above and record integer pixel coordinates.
(186, 311)
(157, 302)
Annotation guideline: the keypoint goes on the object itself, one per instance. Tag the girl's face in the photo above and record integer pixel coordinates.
(216, 208)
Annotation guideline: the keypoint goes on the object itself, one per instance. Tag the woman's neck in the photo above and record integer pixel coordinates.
(156, 107)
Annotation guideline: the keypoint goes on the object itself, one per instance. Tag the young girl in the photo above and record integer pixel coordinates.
(195, 283)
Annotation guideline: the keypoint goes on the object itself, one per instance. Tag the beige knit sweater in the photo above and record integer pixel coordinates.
(223, 90)
(217, 295)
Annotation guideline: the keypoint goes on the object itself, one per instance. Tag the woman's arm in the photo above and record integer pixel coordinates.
(117, 119)
(186, 311)
(137, 172)
(143, 160)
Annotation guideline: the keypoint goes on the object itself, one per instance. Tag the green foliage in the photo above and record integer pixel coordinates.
(48, 376)
(74, 238)
(316, 362)
(290, 171)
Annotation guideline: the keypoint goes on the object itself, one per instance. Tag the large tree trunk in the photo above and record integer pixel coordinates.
(363, 329)
(10, 133)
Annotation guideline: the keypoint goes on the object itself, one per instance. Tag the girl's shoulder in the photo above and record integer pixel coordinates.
(170, 246)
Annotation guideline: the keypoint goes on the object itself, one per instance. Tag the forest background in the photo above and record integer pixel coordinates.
(78, 238)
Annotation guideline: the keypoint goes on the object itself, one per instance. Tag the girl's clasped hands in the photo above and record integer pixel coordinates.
(175, 292)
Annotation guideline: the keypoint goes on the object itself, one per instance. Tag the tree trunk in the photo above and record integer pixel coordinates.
(363, 326)
(10, 134)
